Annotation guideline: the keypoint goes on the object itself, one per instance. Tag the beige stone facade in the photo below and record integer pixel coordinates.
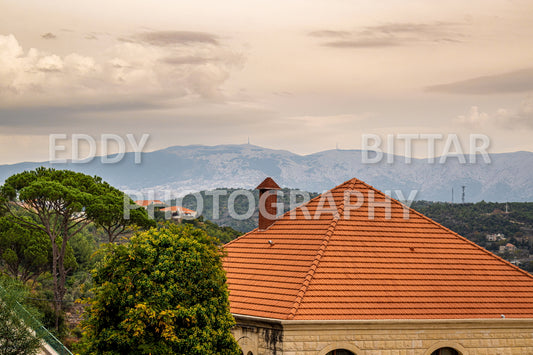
(259, 336)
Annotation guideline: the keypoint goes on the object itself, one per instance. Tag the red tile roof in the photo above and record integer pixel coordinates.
(178, 209)
(145, 203)
(355, 267)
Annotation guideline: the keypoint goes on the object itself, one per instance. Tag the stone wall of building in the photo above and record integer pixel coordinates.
(414, 337)
(256, 336)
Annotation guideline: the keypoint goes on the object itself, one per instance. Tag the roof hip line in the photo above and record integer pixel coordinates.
(320, 253)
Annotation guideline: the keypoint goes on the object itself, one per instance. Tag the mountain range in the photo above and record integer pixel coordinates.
(185, 169)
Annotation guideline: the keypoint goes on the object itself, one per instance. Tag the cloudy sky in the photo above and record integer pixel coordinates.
(298, 75)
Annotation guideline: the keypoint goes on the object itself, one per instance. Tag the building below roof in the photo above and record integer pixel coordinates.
(356, 272)
(507, 248)
(174, 212)
(495, 237)
(178, 212)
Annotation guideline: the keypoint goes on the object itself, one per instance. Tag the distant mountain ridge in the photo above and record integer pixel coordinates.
(184, 169)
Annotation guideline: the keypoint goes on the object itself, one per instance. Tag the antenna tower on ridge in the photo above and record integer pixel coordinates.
(452, 194)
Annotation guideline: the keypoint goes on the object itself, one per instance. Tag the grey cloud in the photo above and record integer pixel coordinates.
(436, 28)
(329, 33)
(118, 64)
(42, 118)
(49, 69)
(447, 40)
(170, 38)
(187, 60)
(127, 40)
(519, 118)
(510, 82)
(93, 35)
(283, 93)
(391, 34)
(163, 118)
(49, 35)
(365, 43)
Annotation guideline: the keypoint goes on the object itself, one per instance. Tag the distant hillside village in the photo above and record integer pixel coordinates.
(502, 228)
(505, 229)
(174, 212)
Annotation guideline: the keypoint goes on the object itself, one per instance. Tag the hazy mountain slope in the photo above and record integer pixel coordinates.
(183, 169)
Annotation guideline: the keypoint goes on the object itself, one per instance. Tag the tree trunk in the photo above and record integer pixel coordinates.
(60, 276)
(57, 303)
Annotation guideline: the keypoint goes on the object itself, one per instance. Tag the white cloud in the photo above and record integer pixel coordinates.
(473, 118)
(81, 65)
(124, 70)
(37, 74)
(50, 63)
(521, 117)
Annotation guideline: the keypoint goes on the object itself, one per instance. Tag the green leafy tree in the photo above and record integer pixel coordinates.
(163, 293)
(16, 338)
(224, 234)
(62, 203)
(24, 253)
(111, 214)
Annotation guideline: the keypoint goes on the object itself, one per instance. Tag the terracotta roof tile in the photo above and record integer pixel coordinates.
(372, 265)
(178, 209)
(146, 203)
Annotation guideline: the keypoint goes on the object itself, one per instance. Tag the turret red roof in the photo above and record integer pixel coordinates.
(268, 184)
(334, 266)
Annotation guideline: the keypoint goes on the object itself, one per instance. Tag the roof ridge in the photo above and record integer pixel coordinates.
(426, 218)
(312, 269)
(289, 212)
